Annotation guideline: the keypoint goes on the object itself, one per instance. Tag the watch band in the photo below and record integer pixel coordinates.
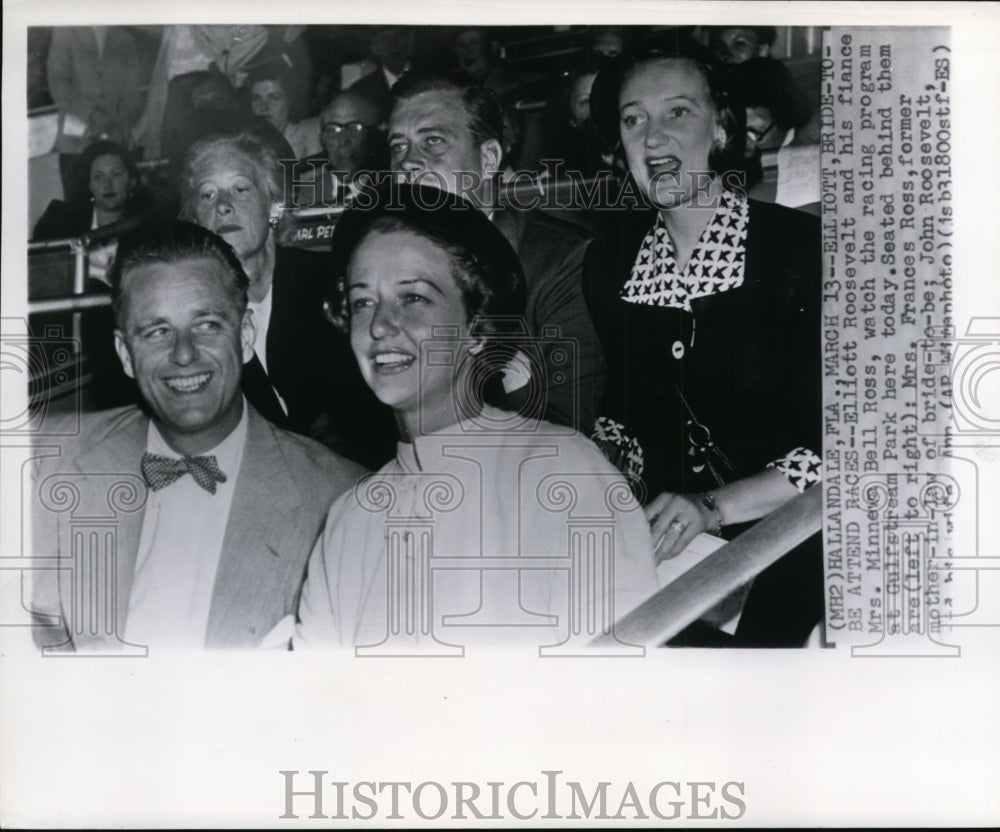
(708, 500)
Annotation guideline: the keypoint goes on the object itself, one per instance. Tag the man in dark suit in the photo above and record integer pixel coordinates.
(452, 137)
(213, 509)
(392, 49)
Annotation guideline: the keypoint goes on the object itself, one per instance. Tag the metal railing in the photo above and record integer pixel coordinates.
(526, 190)
(80, 247)
(684, 601)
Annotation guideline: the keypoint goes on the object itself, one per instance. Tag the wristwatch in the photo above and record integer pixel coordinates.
(708, 501)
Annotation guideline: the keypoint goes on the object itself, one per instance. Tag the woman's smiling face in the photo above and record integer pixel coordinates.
(400, 287)
(668, 125)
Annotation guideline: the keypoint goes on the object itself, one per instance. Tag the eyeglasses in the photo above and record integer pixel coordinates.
(335, 128)
(756, 135)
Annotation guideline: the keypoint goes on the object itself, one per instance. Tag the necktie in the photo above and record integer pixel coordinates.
(161, 471)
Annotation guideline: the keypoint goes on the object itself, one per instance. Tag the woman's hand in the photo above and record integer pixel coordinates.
(674, 521)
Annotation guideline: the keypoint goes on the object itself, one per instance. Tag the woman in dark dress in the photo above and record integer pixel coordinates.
(708, 308)
(114, 195)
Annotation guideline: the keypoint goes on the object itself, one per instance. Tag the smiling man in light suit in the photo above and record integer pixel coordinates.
(221, 508)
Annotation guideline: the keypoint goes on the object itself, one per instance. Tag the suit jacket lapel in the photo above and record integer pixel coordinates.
(511, 223)
(263, 525)
(120, 453)
(260, 393)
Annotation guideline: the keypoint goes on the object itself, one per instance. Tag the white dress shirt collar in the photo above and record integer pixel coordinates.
(228, 453)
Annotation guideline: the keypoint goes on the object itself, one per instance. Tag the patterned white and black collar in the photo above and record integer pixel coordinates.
(716, 264)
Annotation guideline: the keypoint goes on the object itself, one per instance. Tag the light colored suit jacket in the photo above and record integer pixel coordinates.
(88, 505)
(81, 79)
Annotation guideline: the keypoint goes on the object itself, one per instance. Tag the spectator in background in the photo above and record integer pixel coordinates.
(115, 195)
(479, 62)
(228, 50)
(270, 98)
(352, 143)
(606, 41)
(392, 49)
(286, 48)
(579, 97)
(302, 375)
(567, 128)
(736, 44)
(94, 79)
(211, 107)
(775, 107)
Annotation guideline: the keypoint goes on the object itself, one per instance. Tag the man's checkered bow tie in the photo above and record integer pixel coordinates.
(160, 471)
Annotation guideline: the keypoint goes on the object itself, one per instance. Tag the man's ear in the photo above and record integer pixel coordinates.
(490, 156)
(720, 132)
(248, 334)
(123, 354)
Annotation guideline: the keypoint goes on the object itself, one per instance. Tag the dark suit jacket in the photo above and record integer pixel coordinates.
(552, 253)
(311, 365)
(92, 496)
(375, 88)
(63, 219)
(749, 368)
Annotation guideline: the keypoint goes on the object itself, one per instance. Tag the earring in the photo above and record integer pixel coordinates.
(273, 222)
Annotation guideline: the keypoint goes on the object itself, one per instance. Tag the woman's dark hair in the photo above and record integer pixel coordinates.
(484, 266)
(107, 148)
(604, 112)
(768, 83)
(470, 273)
(268, 71)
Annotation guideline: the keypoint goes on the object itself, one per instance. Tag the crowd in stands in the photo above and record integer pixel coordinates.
(215, 148)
